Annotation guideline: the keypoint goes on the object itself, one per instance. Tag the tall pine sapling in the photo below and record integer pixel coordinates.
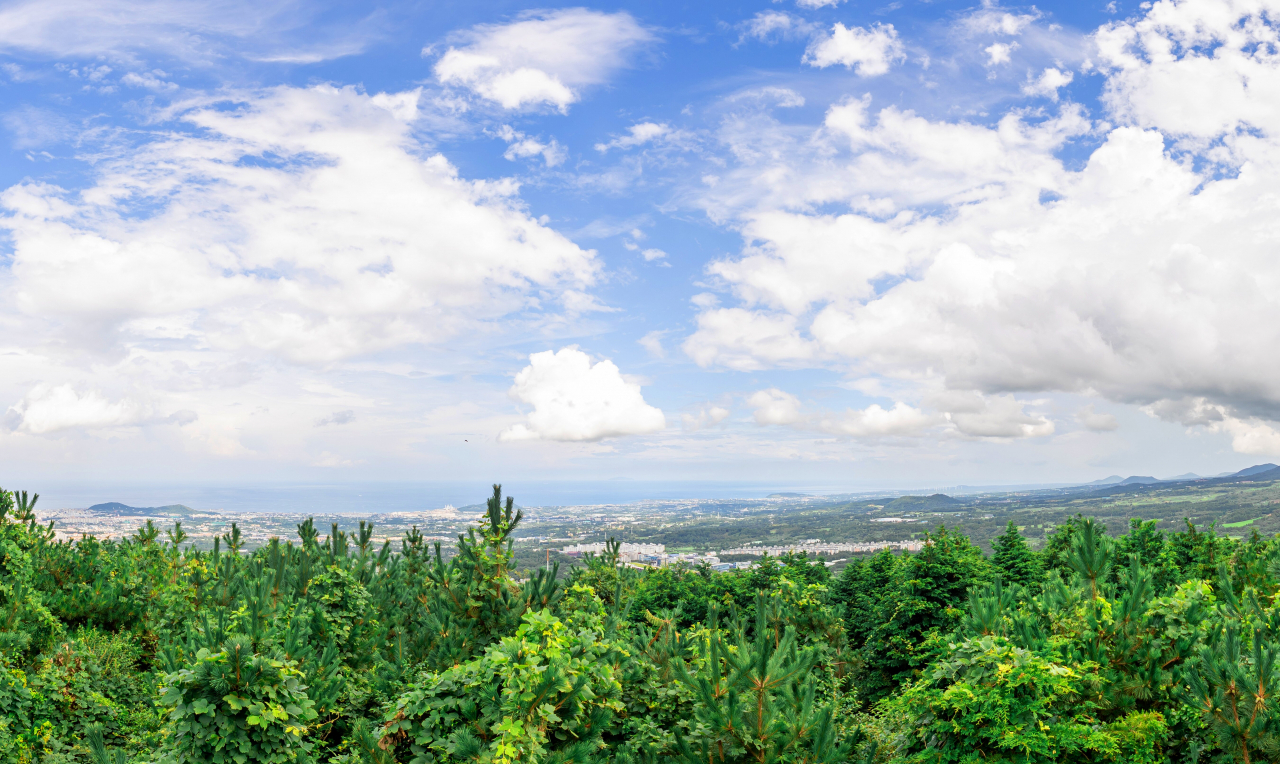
(1013, 559)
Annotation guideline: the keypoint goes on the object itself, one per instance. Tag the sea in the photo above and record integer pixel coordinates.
(377, 497)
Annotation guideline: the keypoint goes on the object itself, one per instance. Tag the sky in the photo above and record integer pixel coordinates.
(811, 242)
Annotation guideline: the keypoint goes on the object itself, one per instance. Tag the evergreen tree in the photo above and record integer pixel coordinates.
(756, 700)
(919, 610)
(1013, 559)
(860, 588)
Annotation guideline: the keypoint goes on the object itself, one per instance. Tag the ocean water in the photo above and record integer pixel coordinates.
(367, 498)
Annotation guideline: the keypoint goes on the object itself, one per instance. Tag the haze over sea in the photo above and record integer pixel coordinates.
(374, 497)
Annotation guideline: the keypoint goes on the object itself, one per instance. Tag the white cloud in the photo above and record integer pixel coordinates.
(34, 127)
(774, 406)
(990, 416)
(652, 254)
(992, 20)
(637, 135)
(574, 399)
(1249, 434)
(1199, 69)
(521, 146)
(811, 4)
(297, 223)
(998, 52)
(869, 52)
(973, 258)
(783, 98)
(544, 58)
(707, 416)
(954, 413)
(1047, 83)
(150, 81)
(1097, 420)
(193, 30)
(47, 410)
(652, 343)
(747, 340)
(771, 26)
(877, 422)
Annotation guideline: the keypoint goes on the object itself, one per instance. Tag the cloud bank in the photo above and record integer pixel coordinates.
(574, 399)
(973, 258)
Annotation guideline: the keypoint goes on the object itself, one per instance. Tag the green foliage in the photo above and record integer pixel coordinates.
(920, 609)
(1152, 646)
(236, 706)
(1013, 560)
(756, 700)
(544, 694)
(993, 701)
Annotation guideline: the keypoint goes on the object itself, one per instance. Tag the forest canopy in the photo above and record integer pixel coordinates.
(1141, 646)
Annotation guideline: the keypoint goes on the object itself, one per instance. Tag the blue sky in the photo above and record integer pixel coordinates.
(841, 244)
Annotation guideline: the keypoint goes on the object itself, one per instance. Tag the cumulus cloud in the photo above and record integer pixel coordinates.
(521, 146)
(773, 406)
(707, 416)
(877, 422)
(1097, 420)
(989, 416)
(954, 413)
(1048, 83)
(968, 415)
(1194, 69)
(543, 58)
(574, 399)
(296, 223)
(992, 20)
(48, 409)
(973, 258)
(999, 52)
(747, 340)
(869, 52)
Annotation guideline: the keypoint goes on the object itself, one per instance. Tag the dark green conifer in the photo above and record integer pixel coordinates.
(1013, 559)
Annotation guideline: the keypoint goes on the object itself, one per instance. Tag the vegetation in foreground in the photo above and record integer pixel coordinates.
(1142, 647)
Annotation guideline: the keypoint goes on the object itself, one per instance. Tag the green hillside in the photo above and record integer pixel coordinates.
(1149, 646)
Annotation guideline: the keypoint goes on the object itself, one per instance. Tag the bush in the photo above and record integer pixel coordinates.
(236, 707)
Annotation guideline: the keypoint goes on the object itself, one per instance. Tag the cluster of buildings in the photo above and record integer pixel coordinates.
(654, 555)
(828, 549)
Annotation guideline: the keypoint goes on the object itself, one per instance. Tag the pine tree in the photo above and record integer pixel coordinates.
(1232, 689)
(1014, 560)
(919, 610)
(756, 700)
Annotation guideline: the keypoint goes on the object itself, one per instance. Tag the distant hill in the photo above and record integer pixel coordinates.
(936, 501)
(1113, 480)
(1255, 470)
(787, 495)
(1139, 480)
(1185, 476)
(115, 507)
(1256, 477)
